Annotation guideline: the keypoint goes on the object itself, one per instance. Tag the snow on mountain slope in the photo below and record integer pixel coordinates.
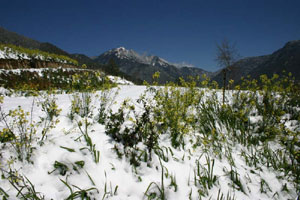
(144, 66)
(114, 79)
(123, 53)
(18, 54)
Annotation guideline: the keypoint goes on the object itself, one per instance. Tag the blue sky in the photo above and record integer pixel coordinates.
(176, 30)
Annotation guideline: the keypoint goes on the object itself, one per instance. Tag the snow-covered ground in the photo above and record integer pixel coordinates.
(37, 70)
(9, 53)
(115, 79)
(115, 178)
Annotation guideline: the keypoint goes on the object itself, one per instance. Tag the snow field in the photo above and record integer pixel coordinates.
(115, 178)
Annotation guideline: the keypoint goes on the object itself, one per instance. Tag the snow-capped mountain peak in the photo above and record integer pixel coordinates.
(142, 66)
(121, 49)
(123, 53)
(157, 61)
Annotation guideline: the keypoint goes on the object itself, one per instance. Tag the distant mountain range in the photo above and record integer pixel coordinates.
(143, 67)
(285, 59)
(140, 67)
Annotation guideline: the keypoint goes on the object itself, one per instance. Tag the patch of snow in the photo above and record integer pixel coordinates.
(119, 80)
(183, 64)
(9, 53)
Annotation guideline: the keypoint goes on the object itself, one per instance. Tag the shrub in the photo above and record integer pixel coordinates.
(19, 131)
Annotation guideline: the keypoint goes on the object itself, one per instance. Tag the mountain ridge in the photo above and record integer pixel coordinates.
(122, 52)
(286, 59)
(143, 66)
(9, 37)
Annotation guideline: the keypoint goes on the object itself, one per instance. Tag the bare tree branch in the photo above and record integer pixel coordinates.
(226, 57)
(227, 54)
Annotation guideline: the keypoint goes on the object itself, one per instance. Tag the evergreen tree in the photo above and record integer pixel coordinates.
(112, 68)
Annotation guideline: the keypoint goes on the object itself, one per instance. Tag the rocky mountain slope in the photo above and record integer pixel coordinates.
(285, 59)
(241, 68)
(144, 67)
